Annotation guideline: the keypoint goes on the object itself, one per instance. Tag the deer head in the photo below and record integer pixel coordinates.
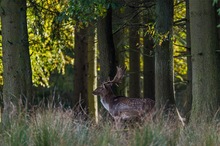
(105, 88)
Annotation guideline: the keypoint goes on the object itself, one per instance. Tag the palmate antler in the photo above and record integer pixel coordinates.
(118, 77)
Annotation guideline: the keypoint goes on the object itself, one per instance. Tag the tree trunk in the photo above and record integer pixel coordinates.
(92, 74)
(17, 76)
(218, 52)
(218, 23)
(134, 55)
(119, 41)
(106, 47)
(149, 60)
(80, 95)
(188, 104)
(205, 86)
(149, 85)
(164, 92)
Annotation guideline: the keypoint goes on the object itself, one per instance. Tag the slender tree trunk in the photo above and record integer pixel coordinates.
(218, 52)
(119, 41)
(17, 76)
(134, 55)
(106, 47)
(217, 16)
(205, 86)
(92, 74)
(80, 95)
(164, 92)
(149, 60)
(188, 103)
(149, 85)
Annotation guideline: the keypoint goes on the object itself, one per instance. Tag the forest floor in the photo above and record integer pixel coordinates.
(56, 127)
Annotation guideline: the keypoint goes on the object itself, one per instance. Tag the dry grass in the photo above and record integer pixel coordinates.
(55, 127)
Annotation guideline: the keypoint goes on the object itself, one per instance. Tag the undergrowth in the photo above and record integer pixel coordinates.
(56, 127)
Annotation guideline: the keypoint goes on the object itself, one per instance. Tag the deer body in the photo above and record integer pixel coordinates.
(121, 107)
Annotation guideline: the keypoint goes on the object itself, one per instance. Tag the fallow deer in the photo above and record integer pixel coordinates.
(121, 107)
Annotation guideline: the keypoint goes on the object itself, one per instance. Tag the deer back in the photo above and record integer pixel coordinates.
(131, 107)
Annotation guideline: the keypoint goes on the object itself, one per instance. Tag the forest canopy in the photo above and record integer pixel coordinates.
(51, 27)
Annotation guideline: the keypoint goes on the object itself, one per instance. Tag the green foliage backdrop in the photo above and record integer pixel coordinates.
(51, 41)
(51, 25)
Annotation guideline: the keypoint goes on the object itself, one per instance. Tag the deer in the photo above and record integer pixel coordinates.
(122, 107)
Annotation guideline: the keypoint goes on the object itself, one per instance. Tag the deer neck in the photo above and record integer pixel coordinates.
(107, 101)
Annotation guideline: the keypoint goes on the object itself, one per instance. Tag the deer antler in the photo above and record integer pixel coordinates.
(118, 77)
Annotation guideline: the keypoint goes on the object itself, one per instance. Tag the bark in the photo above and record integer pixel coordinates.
(164, 92)
(149, 74)
(17, 76)
(92, 74)
(218, 52)
(119, 41)
(106, 47)
(218, 23)
(205, 86)
(134, 55)
(188, 98)
(149, 60)
(80, 95)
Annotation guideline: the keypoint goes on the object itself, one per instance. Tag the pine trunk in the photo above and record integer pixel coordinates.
(149, 74)
(149, 59)
(80, 95)
(17, 77)
(92, 74)
(106, 47)
(188, 98)
(119, 41)
(164, 90)
(134, 55)
(205, 86)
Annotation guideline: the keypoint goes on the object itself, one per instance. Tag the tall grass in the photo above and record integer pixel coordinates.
(55, 127)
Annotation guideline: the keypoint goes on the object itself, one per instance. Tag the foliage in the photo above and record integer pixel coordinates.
(215, 2)
(57, 127)
(84, 12)
(51, 27)
(51, 41)
(179, 40)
